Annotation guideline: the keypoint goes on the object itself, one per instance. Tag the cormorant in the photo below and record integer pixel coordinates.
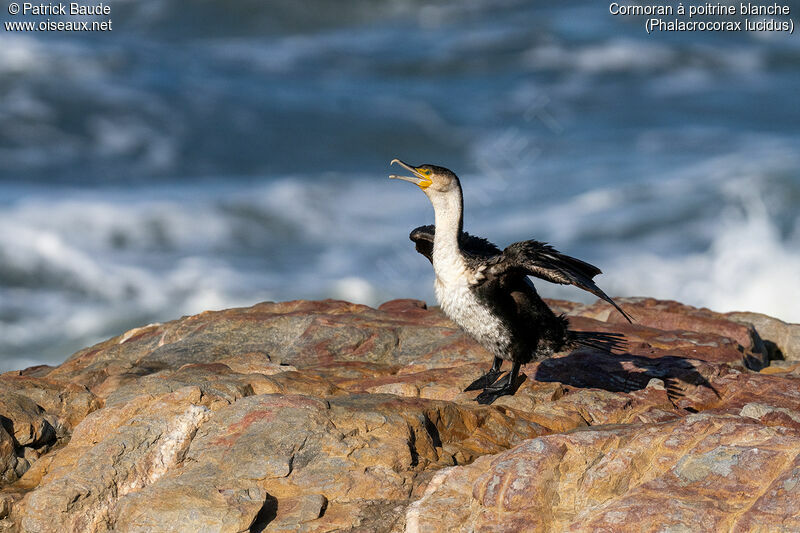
(487, 291)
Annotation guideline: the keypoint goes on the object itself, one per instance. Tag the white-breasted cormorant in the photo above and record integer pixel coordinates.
(487, 291)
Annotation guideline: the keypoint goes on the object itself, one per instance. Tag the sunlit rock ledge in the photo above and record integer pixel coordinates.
(331, 416)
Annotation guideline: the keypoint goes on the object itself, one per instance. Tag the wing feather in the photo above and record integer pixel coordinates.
(423, 241)
(538, 259)
(531, 258)
(471, 245)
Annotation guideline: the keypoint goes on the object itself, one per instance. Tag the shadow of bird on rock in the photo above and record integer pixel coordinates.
(593, 369)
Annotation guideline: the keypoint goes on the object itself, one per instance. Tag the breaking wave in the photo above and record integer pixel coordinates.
(78, 267)
(179, 165)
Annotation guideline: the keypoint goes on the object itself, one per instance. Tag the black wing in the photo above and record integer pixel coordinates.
(530, 258)
(471, 245)
(423, 241)
(538, 259)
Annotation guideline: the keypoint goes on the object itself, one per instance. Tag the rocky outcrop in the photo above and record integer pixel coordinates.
(703, 472)
(330, 416)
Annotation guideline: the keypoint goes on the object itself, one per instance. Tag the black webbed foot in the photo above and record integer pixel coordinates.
(488, 379)
(484, 381)
(507, 385)
(489, 395)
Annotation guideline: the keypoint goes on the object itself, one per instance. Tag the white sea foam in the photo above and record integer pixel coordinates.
(712, 232)
(20, 53)
(747, 267)
(90, 266)
(635, 55)
(78, 267)
(618, 55)
(636, 154)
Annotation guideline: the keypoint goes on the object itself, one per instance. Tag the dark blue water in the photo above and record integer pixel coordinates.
(209, 154)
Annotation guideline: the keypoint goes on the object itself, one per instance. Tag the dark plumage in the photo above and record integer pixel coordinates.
(487, 291)
(527, 258)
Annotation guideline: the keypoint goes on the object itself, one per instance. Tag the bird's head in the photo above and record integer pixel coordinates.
(430, 178)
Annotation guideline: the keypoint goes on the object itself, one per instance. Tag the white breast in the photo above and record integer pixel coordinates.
(458, 302)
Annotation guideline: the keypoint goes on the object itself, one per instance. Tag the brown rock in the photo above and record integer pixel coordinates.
(776, 508)
(323, 416)
(254, 363)
(669, 316)
(782, 339)
(656, 343)
(25, 421)
(8, 460)
(703, 472)
(68, 402)
(110, 455)
(782, 367)
(302, 334)
(294, 513)
(261, 455)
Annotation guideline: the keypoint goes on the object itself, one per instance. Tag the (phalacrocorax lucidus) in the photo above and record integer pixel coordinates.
(487, 291)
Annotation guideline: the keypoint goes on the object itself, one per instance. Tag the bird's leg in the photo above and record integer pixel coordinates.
(503, 386)
(488, 378)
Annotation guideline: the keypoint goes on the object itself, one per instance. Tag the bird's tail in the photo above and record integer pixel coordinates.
(612, 343)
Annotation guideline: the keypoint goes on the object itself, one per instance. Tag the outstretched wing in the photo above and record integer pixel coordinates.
(538, 259)
(471, 245)
(529, 258)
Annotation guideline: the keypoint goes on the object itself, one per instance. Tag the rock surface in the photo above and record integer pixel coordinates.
(331, 416)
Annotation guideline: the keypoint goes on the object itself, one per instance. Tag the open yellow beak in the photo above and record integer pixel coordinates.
(418, 179)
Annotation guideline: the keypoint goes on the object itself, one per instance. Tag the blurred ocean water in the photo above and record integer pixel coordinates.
(205, 154)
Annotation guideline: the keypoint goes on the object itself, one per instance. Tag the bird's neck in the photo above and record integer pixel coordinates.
(448, 210)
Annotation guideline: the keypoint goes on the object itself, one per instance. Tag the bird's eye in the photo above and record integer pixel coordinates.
(425, 172)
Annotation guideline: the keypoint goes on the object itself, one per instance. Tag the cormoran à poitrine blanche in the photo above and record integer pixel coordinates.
(487, 291)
